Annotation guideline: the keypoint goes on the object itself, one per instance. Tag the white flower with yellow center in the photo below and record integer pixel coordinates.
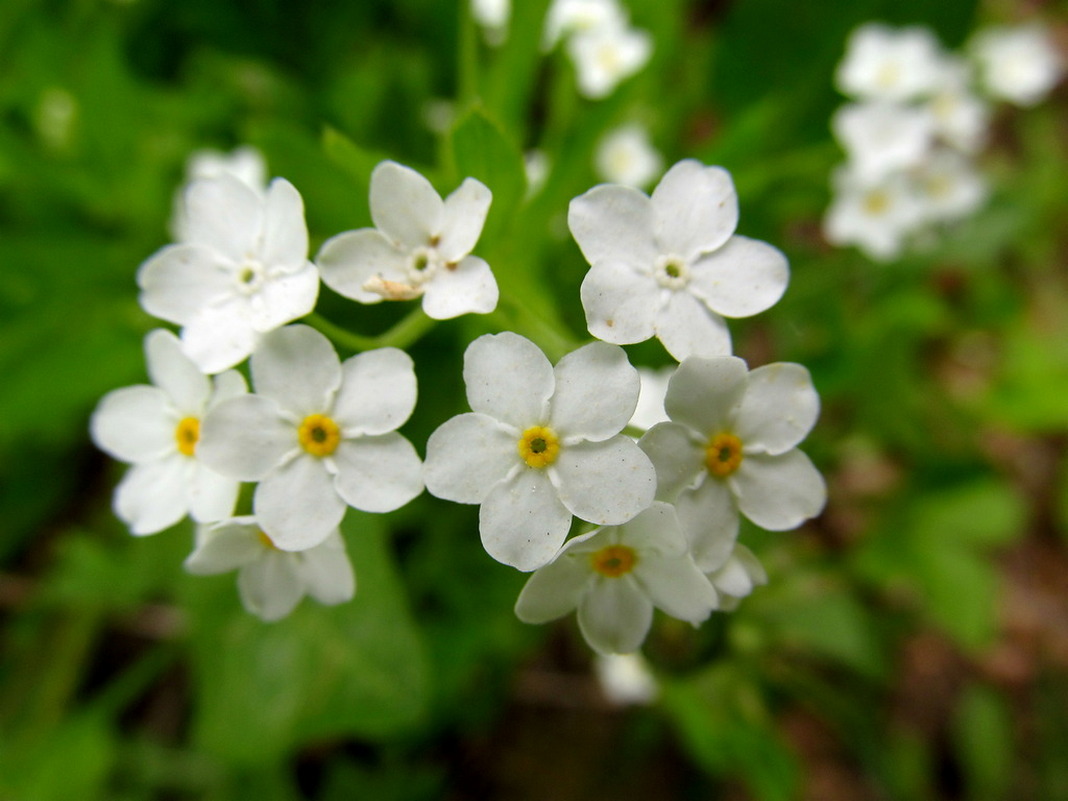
(318, 435)
(731, 447)
(1020, 64)
(626, 156)
(876, 217)
(607, 54)
(615, 576)
(670, 265)
(949, 186)
(541, 445)
(241, 270)
(157, 429)
(420, 247)
(894, 64)
(271, 581)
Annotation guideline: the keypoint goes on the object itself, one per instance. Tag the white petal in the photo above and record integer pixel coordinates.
(614, 224)
(463, 217)
(779, 492)
(244, 438)
(605, 482)
(676, 586)
(180, 280)
(224, 547)
(695, 209)
(270, 587)
(508, 378)
(377, 392)
(621, 304)
(704, 392)
(223, 214)
(285, 234)
(134, 424)
(553, 590)
(347, 261)
(284, 297)
(378, 474)
(708, 516)
(741, 278)
(678, 461)
(326, 571)
(686, 327)
(614, 616)
(522, 522)
(778, 409)
(596, 392)
(155, 495)
(297, 505)
(211, 496)
(227, 385)
(464, 288)
(404, 206)
(737, 575)
(655, 530)
(220, 336)
(298, 368)
(466, 456)
(173, 372)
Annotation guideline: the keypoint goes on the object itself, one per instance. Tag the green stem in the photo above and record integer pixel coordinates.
(467, 67)
(406, 331)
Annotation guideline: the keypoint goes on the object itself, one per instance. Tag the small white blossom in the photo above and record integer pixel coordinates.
(615, 576)
(245, 163)
(420, 247)
(626, 156)
(737, 576)
(318, 435)
(605, 55)
(568, 17)
(493, 16)
(241, 270)
(625, 679)
(876, 217)
(888, 64)
(157, 429)
(271, 581)
(670, 265)
(960, 118)
(730, 448)
(881, 138)
(541, 444)
(1019, 64)
(948, 186)
(536, 166)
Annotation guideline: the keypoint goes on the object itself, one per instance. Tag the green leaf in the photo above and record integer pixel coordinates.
(961, 590)
(356, 669)
(984, 741)
(986, 512)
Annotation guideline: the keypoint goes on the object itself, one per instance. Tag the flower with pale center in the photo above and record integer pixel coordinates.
(157, 429)
(670, 265)
(271, 581)
(884, 63)
(605, 55)
(240, 270)
(626, 156)
(949, 186)
(420, 247)
(730, 448)
(541, 444)
(1020, 64)
(877, 217)
(614, 576)
(319, 435)
(882, 138)
(566, 18)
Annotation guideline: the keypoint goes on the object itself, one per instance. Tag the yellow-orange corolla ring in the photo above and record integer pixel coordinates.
(723, 454)
(187, 435)
(538, 446)
(319, 435)
(614, 561)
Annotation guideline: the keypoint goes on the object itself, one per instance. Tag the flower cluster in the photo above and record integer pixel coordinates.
(916, 122)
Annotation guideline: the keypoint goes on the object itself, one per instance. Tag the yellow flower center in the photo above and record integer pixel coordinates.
(319, 435)
(876, 202)
(187, 434)
(723, 454)
(614, 561)
(266, 541)
(538, 446)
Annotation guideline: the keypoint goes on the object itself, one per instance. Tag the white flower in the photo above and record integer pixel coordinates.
(736, 577)
(625, 678)
(242, 269)
(960, 118)
(420, 247)
(272, 581)
(876, 217)
(881, 138)
(730, 448)
(948, 186)
(567, 17)
(605, 55)
(318, 435)
(626, 156)
(541, 445)
(157, 429)
(493, 16)
(536, 167)
(883, 63)
(668, 265)
(1019, 64)
(615, 576)
(245, 163)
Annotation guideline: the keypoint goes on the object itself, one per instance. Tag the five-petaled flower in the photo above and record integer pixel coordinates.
(318, 435)
(541, 445)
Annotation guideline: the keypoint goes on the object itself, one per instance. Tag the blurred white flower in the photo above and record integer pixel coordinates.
(960, 117)
(541, 444)
(420, 247)
(880, 138)
(605, 55)
(157, 429)
(536, 166)
(625, 678)
(670, 265)
(567, 17)
(890, 64)
(948, 186)
(626, 156)
(1020, 64)
(271, 581)
(318, 435)
(876, 217)
(615, 576)
(730, 448)
(493, 16)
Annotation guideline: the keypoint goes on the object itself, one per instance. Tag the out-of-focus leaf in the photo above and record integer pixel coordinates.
(984, 741)
(73, 760)
(985, 512)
